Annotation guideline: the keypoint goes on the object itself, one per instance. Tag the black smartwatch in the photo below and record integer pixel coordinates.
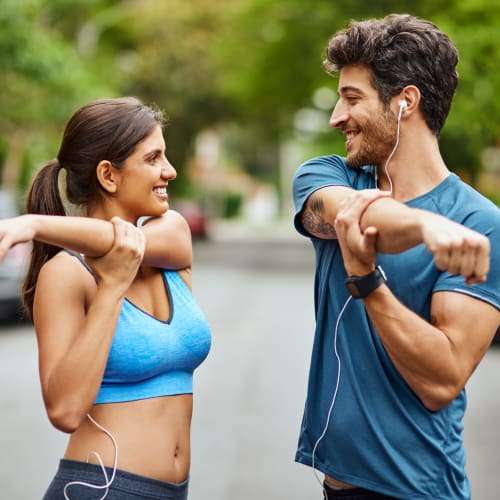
(361, 286)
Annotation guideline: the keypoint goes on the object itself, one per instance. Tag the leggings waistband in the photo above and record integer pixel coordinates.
(125, 486)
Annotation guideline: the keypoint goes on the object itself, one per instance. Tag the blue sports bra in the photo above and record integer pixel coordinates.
(151, 358)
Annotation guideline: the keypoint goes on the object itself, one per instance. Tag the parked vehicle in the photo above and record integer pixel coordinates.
(195, 217)
(12, 268)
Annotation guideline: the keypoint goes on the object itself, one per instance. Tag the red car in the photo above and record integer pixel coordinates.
(195, 217)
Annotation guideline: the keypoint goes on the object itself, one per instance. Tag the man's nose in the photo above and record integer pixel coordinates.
(338, 117)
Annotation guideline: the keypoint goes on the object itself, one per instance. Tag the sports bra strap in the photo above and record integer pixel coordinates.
(82, 260)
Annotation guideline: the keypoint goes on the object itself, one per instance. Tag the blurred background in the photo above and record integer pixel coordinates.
(242, 84)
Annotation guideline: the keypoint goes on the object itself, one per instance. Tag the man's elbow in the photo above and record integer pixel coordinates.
(440, 397)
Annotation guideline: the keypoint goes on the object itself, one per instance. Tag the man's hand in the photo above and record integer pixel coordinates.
(358, 247)
(457, 249)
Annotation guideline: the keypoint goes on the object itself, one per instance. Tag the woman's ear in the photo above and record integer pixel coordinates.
(107, 175)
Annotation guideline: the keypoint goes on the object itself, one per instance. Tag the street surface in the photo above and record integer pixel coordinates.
(249, 393)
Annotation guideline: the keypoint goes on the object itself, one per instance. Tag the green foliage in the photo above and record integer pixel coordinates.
(273, 65)
(245, 66)
(43, 76)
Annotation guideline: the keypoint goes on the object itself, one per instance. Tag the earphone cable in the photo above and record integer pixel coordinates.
(108, 482)
(335, 392)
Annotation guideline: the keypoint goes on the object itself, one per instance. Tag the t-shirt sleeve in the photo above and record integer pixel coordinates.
(313, 175)
(486, 222)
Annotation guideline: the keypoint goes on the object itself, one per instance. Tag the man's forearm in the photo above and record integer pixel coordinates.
(399, 226)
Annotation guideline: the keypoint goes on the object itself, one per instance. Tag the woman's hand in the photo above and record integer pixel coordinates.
(118, 267)
(15, 230)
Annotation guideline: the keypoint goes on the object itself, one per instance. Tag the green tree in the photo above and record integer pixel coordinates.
(246, 67)
(273, 66)
(43, 78)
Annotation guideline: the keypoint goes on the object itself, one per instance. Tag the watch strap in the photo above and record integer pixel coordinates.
(362, 286)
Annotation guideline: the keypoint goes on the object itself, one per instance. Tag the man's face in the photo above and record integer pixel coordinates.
(369, 126)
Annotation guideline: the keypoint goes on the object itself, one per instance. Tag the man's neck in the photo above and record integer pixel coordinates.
(416, 168)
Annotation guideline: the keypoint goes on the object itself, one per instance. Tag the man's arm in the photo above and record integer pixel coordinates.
(435, 358)
(455, 248)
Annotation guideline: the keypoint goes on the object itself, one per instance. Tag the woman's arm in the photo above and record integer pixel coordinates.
(74, 337)
(168, 239)
(89, 236)
(168, 242)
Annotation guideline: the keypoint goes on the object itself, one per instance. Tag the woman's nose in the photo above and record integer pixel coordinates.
(169, 171)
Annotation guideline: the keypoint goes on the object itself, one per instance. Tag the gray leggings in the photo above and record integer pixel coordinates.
(125, 486)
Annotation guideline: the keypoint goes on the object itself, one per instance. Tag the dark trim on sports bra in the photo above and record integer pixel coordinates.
(165, 284)
(82, 260)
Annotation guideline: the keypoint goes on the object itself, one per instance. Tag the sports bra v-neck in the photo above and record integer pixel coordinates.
(149, 357)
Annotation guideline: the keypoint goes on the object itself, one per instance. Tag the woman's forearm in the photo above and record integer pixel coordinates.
(89, 236)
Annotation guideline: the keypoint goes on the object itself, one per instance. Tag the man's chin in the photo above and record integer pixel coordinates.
(354, 162)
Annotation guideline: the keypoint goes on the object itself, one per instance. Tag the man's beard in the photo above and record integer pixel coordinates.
(379, 137)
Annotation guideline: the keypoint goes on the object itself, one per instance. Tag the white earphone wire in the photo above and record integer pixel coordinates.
(108, 482)
(402, 106)
(335, 392)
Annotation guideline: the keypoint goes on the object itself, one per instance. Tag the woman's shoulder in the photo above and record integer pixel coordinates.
(171, 219)
(65, 273)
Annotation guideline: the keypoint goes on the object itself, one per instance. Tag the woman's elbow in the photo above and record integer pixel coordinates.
(65, 419)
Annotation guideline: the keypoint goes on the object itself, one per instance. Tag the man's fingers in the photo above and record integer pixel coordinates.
(467, 255)
(369, 239)
(355, 205)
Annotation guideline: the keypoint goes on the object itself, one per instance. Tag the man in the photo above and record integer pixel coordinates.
(394, 348)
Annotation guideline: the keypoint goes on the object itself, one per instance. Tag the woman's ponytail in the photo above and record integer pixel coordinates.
(43, 198)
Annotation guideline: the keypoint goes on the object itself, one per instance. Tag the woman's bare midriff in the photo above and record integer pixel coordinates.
(337, 484)
(153, 437)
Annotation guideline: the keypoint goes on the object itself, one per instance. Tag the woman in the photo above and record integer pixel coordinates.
(118, 331)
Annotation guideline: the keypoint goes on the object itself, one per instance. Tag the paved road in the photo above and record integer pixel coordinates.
(249, 393)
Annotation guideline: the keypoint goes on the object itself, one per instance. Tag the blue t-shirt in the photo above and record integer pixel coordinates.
(380, 435)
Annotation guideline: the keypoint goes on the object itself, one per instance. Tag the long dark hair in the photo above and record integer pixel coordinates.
(106, 129)
(401, 50)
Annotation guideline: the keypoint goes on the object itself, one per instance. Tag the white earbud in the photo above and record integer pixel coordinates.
(402, 105)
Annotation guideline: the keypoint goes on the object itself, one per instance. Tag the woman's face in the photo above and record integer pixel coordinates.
(143, 179)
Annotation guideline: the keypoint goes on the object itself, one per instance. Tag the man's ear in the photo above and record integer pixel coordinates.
(411, 94)
(108, 176)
